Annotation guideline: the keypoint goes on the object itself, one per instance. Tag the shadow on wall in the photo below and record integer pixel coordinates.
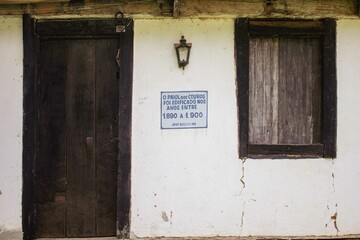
(10, 235)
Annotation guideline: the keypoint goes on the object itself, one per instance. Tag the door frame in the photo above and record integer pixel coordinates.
(33, 31)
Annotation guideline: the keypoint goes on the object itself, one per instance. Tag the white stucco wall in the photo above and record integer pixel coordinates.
(11, 69)
(192, 176)
(347, 166)
(191, 183)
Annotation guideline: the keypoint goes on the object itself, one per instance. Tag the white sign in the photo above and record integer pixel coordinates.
(184, 109)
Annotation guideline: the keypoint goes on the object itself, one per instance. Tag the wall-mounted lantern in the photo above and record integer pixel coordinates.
(183, 52)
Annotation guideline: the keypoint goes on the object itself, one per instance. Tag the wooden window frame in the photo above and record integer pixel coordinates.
(326, 30)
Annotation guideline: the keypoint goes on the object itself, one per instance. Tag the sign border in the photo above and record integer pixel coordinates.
(207, 109)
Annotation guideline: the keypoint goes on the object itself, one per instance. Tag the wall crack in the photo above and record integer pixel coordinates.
(242, 218)
(243, 175)
(333, 218)
(242, 181)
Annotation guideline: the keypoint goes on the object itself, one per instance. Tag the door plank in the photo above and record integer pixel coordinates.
(107, 103)
(125, 109)
(80, 143)
(51, 186)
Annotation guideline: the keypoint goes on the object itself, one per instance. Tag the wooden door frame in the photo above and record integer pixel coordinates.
(33, 31)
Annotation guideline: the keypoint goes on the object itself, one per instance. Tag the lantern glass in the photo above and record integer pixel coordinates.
(183, 51)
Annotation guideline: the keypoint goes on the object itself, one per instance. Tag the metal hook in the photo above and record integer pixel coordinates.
(119, 19)
(117, 16)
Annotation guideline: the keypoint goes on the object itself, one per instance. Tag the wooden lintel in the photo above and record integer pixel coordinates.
(279, 8)
(89, 7)
(176, 10)
(29, 1)
(192, 8)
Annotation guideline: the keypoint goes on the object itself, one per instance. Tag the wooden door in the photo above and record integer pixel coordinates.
(77, 128)
(76, 169)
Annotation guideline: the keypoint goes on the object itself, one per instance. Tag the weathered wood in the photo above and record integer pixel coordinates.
(263, 90)
(242, 71)
(285, 151)
(75, 28)
(51, 213)
(176, 10)
(92, 117)
(299, 90)
(125, 109)
(285, 96)
(329, 89)
(29, 127)
(298, 25)
(285, 27)
(56, 98)
(51, 160)
(29, 1)
(306, 105)
(194, 8)
(107, 95)
(80, 143)
(50, 166)
(257, 8)
(103, 7)
(50, 217)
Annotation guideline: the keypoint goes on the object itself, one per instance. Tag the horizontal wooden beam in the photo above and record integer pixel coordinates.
(76, 27)
(278, 27)
(310, 9)
(29, 1)
(279, 8)
(285, 151)
(89, 7)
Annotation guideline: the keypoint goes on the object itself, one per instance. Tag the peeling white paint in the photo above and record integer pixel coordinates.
(11, 68)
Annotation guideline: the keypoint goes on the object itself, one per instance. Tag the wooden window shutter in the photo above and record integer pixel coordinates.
(286, 88)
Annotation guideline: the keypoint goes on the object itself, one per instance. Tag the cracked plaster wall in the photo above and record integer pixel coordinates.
(11, 69)
(191, 182)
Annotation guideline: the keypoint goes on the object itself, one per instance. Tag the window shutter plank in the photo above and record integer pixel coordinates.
(263, 90)
(299, 91)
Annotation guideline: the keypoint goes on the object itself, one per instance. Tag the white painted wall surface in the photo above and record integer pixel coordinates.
(191, 182)
(190, 177)
(11, 69)
(347, 166)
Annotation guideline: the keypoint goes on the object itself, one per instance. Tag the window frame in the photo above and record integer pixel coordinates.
(326, 29)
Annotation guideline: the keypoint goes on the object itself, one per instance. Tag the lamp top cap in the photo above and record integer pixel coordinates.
(182, 40)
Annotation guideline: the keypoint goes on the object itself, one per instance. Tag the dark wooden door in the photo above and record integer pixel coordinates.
(76, 168)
